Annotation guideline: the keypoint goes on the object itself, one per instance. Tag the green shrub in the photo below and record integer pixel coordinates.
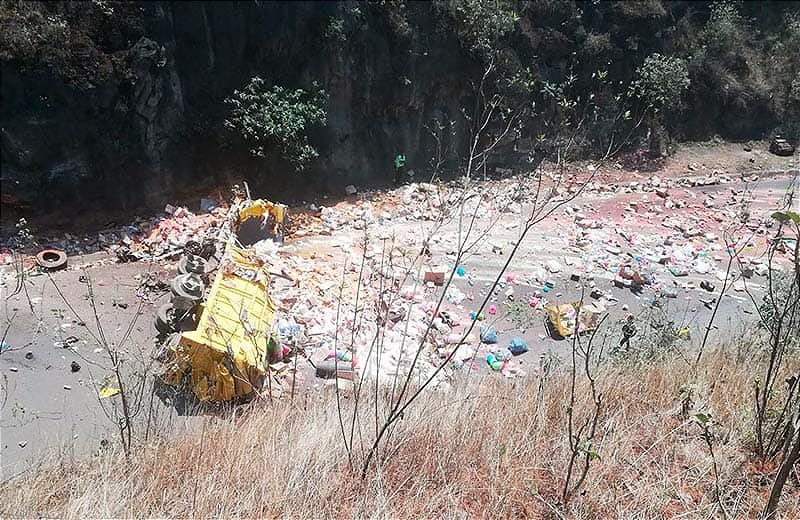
(272, 115)
(661, 81)
(334, 31)
(480, 24)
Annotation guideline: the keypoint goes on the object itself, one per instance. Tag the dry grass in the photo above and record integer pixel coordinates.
(495, 451)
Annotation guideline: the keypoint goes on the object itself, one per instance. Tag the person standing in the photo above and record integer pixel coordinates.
(399, 164)
(628, 331)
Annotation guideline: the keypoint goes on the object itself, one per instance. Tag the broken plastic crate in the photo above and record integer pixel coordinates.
(566, 316)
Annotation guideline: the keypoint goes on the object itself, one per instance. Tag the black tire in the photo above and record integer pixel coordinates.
(165, 319)
(51, 259)
(192, 265)
(192, 247)
(182, 265)
(180, 289)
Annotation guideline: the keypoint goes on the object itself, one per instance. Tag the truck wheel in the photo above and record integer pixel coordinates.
(192, 247)
(189, 264)
(165, 319)
(188, 286)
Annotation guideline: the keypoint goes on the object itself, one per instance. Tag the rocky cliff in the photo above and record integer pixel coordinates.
(90, 120)
(119, 104)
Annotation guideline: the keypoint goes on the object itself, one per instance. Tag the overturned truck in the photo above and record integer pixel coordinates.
(216, 333)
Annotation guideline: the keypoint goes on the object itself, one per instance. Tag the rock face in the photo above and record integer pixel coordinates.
(121, 104)
(88, 123)
(147, 118)
(384, 84)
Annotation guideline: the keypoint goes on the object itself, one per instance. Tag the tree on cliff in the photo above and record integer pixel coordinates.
(481, 24)
(272, 116)
(660, 83)
(483, 28)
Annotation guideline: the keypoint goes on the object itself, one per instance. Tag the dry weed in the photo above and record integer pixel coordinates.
(492, 451)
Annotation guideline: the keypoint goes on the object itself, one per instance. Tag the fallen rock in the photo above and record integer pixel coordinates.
(708, 286)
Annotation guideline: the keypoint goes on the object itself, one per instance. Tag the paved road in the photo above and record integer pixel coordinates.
(46, 405)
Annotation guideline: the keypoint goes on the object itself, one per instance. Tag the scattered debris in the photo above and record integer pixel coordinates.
(706, 285)
(596, 248)
(107, 391)
(436, 278)
(517, 346)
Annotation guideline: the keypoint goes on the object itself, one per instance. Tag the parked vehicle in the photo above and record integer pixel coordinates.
(780, 146)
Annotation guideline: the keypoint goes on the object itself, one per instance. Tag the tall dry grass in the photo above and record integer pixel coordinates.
(496, 449)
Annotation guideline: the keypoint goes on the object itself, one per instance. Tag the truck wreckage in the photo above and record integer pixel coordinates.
(217, 335)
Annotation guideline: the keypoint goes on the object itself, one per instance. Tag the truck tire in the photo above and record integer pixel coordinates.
(165, 319)
(188, 286)
(52, 259)
(189, 264)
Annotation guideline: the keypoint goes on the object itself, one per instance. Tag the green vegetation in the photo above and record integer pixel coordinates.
(334, 30)
(660, 83)
(743, 61)
(149, 82)
(481, 24)
(265, 116)
(71, 40)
